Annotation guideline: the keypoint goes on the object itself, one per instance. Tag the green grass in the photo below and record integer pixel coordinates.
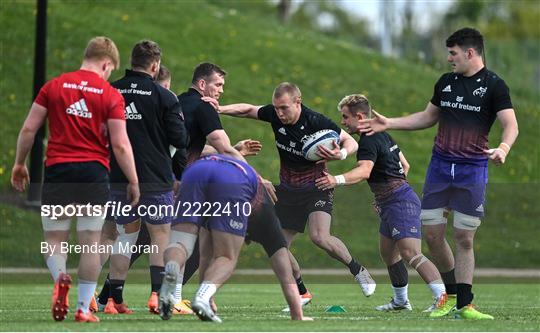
(256, 307)
(258, 53)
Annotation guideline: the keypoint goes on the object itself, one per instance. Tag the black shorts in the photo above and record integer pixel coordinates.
(265, 229)
(81, 182)
(294, 206)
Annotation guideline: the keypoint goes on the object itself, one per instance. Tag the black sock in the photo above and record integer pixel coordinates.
(301, 288)
(354, 267)
(464, 295)
(398, 274)
(156, 277)
(105, 292)
(449, 279)
(117, 288)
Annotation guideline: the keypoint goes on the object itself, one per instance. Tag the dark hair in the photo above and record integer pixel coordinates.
(205, 70)
(466, 38)
(144, 53)
(164, 74)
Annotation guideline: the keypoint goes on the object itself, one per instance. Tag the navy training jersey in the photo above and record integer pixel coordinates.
(295, 170)
(468, 108)
(201, 119)
(154, 121)
(387, 173)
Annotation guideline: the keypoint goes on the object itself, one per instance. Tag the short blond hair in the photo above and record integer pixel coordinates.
(102, 47)
(356, 103)
(287, 88)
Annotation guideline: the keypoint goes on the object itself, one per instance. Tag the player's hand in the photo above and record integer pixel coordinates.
(19, 177)
(374, 125)
(327, 154)
(214, 102)
(326, 182)
(496, 155)
(270, 189)
(248, 147)
(133, 194)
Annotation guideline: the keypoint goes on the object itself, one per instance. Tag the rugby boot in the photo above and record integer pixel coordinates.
(88, 317)
(470, 313)
(60, 303)
(393, 306)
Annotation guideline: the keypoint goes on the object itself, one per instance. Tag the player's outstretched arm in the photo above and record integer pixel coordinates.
(245, 147)
(35, 119)
(510, 132)
(124, 155)
(219, 140)
(356, 175)
(240, 110)
(415, 121)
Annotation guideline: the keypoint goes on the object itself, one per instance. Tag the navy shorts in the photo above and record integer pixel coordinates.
(153, 208)
(294, 206)
(400, 214)
(458, 186)
(80, 182)
(216, 193)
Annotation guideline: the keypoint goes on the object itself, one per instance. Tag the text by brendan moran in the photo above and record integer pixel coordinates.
(117, 248)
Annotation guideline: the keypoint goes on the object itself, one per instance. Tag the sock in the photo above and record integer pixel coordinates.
(354, 267)
(156, 277)
(437, 288)
(401, 294)
(56, 264)
(449, 279)
(86, 291)
(301, 287)
(206, 291)
(117, 289)
(178, 292)
(398, 274)
(464, 295)
(105, 292)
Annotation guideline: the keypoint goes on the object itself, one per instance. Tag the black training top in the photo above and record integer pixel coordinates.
(296, 171)
(387, 173)
(201, 119)
(469, 106)
(154, 122)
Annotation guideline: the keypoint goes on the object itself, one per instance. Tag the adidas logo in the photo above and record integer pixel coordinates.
(282, 131)
(447, 89)
(480, 208)
(132, 113)
(395, 232)
(79, 109)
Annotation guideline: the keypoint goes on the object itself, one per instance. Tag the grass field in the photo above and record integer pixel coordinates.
(256, 307)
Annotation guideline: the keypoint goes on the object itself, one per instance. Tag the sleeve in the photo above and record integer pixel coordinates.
(267, 113)
(207, 118)
(43, 96)
(436, 98)
(321, 122)
(116, 105)
(179, 162)
(173, 118)
(501, 97)
(367, 148)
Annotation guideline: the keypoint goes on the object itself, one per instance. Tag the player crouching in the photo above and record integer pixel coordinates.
(381, 163)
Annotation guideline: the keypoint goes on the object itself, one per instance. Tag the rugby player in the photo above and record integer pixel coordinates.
(299, 201)
(84, 112)
(383, 165)
(465, 103)
(154, 122)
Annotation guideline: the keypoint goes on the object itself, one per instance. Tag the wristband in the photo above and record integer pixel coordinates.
(340, 180)
(343, 152)
(504, 144)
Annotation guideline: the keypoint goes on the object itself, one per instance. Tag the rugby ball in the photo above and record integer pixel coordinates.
(323, 137)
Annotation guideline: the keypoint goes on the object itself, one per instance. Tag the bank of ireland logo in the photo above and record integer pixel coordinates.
(459, 99)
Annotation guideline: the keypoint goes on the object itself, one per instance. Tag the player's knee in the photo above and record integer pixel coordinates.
(433, 238)
(408, 254)
(417, 260)
(464, 240)
(319, 239)
(124, 242)
(183, 241)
